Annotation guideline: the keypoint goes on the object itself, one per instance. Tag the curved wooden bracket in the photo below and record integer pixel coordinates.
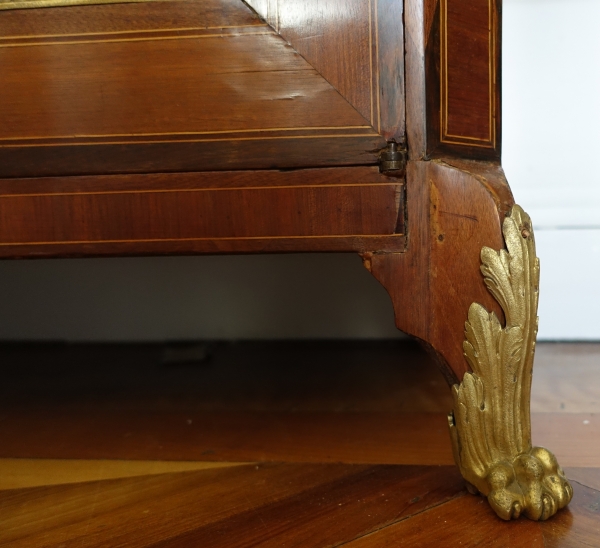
(453, 211)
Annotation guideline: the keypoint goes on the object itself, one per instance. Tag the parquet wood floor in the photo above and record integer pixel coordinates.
(299, 444)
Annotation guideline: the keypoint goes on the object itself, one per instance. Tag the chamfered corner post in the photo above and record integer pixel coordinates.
(467, 285)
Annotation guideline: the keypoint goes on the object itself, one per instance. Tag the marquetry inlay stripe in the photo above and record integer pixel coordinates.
(130, 32)
(138, 36)
(374, 64)
(216, 189)
(447, 135)
(208, 239)
(376, 82)
(31, 4)
(143, 139)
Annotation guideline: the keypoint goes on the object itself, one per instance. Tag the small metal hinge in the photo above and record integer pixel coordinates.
(393, 159)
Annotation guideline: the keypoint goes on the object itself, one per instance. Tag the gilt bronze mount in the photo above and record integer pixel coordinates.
(490, 424)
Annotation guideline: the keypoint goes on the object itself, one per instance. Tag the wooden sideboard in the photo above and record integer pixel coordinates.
(367, 126)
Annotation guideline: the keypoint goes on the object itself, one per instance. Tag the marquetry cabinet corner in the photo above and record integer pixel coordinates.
(467, 285)
(272, 126)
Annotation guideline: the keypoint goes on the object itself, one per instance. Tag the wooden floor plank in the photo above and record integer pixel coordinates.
(334, 513)
(284, 505)
(578, 526)
(277, 505)
(140, 511)
(331, 376)
(23, 473)
(373, 438)
(573, 437)
(356, 438)
(566, 378)
(465, 521)
(589, 477)
(332, 430)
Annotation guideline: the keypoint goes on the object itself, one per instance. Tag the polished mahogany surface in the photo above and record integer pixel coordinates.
(122, 125)
(200, 127)
(203, 86)
(357, 45)
(453, 78)
(301, 210)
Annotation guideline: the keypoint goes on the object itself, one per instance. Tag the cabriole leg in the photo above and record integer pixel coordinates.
(471, 256)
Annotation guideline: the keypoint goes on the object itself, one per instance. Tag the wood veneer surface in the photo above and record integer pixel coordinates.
(356, 45)
(126, 17)
(341, 209)
(113, 89)
(453, 78)
(306, 498)
(201, 84)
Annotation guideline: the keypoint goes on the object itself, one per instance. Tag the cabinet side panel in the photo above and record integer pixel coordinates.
(462, 65)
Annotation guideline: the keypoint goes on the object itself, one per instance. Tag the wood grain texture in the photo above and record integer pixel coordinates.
(145, 506)
(354, 402)
(491, 176)
(242, 436)
(356, 394)
(416, 83)
(77, 91)
(588, 477)
(561, 432)
(468, 41)
(114, 101)
(302, 244)
(284, 504)
(391, 70)
(462, 60)
(464, 521)
(208, 180)
(27, 473)
(453, 68)
(566, 378)
(195, 214)
(367, 500)
(229, 436)
(150, 16)
(317, 503)
(357, 46)
(452, 214)
(215, 153)
(335, 210)
(337, 38)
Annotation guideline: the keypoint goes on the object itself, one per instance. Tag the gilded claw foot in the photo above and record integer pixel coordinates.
(533, 485)
(490, 425)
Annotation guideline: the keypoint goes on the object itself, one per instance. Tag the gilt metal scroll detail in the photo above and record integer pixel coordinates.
(490, 425)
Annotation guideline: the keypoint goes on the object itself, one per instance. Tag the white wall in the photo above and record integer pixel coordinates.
(551, 141)
(551, 126)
